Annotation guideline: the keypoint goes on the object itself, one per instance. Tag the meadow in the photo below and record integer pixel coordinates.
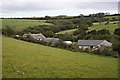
(27, 60)
(96, 26)
(110, 17)
(111, 26)
(20, 24)
(67, 31)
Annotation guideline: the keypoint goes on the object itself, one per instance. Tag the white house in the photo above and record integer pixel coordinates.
(91, 44)
(68, 42)
(41, 37)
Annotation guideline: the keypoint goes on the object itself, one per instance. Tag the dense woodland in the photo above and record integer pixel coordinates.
(81, 23)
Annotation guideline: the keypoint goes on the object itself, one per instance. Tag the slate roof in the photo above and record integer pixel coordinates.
(42, 37)
(52, 40)
(89, 42)
(38, 36)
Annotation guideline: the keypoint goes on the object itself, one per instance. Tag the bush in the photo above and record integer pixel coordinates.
(103, 32)
(8, 31)
(107, 23)
(117, 31)
(115, 54)
(107, 52)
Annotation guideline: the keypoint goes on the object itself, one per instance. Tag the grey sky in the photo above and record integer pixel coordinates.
(29, 8)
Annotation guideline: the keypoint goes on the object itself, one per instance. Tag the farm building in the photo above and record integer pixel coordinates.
(36, 36)
(68, 42)
(41, 37)
(52, 40)
(93, 44)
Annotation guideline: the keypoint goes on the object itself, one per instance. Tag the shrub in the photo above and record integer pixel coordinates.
(115, 54)
(117, 31)
(107, 52)
(107, 23)
(8, 31)
(103, 32)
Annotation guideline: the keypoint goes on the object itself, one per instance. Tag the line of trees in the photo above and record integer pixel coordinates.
(116, 40)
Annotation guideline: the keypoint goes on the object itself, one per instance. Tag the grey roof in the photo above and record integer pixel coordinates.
(42, 37)
(38, 36)
(52, 40)
(89, 42)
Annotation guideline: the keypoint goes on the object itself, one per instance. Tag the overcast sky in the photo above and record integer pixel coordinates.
(30, 8)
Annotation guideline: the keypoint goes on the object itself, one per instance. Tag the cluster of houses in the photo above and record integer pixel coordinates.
(82, 44)
(41, 37)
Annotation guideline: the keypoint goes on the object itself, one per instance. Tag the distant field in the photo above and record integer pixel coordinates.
(110, 17)
(111, 27)
(96, 26)
(67, 31)
(26, 60)
(20, 24)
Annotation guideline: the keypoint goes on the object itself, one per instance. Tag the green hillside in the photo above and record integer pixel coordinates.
(67, 31)
(20, 24)
(28, 60)
(111, 26)
(96, 26)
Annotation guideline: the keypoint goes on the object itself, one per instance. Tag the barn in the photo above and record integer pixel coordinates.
(92, 44)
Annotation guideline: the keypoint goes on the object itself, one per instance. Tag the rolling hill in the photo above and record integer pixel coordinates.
(96, 26)
(27, 60)
(20, 24)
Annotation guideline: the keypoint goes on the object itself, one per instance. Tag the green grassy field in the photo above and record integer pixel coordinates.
(28, 60)
(96, 26)
(67, 31)
(0, 57)
(20, 24)
(111, 27)
(110, 17)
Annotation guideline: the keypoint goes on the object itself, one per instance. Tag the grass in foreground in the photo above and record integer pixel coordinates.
(27, 60)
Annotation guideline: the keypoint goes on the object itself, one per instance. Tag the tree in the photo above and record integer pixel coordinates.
(89, 23)
(103, 32)
(100, 17)
(47, 17)
(107, 23)
(93, 32)
(68, 38)
(117, 31)
(82, 33)
(106, 19)
(114, 19)
(116, 46)
(116, 40)
(49, 34)
(8, 31)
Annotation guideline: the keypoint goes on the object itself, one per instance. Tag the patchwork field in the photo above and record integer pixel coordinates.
(28, 60)
(111, 26)
(67, 31)
(96, 26)
(20, 24)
